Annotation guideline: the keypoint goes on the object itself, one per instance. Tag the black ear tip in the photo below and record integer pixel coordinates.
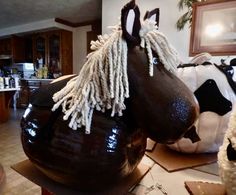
(146, 15)
(132, 2)
(130, 5)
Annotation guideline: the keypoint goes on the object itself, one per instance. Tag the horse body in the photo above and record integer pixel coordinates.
(160, 107)
(81, 160)
(74, 158)
(116, 144)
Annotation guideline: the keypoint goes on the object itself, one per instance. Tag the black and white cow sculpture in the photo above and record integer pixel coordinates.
(214, 88)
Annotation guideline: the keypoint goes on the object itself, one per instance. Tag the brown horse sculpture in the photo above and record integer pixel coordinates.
(159, 106)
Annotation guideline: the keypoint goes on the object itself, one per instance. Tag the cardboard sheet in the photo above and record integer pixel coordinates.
(28, 170)
(150, 145)
(212, 168)
(174, 161)
(199, 188)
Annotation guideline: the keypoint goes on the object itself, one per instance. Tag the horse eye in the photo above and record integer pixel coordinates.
(155, 61)
(230, 71)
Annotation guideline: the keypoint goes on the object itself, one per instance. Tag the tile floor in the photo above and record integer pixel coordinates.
(11, 152)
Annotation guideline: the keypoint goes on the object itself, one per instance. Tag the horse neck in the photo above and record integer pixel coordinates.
(143, 88)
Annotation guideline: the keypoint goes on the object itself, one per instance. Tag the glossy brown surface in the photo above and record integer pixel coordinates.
(162, 104)
(109, 153)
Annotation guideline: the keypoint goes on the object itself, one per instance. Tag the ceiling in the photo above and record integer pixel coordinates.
(17, 12)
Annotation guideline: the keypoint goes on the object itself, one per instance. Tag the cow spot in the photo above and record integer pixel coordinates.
(210, 98)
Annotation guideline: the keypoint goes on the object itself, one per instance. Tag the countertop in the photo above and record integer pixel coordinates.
(36, 79)
(9, 89)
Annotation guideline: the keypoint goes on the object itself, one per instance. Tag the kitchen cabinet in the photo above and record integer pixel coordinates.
(28, 86)
(6, 94)
(5, 46)
(39, 50)
(13, 46)
(54, 49)
(18, 49)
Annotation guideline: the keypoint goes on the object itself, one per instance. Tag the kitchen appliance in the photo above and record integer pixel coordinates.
(26, 70)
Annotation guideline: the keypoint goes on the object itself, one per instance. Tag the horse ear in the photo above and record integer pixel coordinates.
(153, 15)
(130, 23)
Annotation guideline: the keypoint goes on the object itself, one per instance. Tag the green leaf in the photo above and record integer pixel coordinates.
(185, 18)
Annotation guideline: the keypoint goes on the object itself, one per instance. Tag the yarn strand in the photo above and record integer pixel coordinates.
(103, 80)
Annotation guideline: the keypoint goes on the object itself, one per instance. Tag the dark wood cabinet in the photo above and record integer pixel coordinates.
(18, 49)
(13, 46)
(51, 48)
(54, 49)
(28, 49)
(39, 50)
(5, 46)
(66, 56)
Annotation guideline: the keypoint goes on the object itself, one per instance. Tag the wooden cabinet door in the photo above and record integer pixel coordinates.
(40, 50)
(14, 46)
(5, 46)
(66, 56)
(54, 48)
(18, 49)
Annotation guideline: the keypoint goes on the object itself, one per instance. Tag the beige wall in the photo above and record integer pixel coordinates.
(169, 14)
(79, 47)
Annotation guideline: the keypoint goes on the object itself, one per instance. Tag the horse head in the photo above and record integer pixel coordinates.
(160, 102)
(134, 64)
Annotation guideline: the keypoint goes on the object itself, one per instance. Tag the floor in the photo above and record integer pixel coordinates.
(11, 152)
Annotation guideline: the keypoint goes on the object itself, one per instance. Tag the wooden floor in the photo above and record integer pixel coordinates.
(11, 152)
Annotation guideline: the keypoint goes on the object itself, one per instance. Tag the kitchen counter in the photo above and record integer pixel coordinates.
(27, 87)
(6, 94)
(36, 79)
(9, 89)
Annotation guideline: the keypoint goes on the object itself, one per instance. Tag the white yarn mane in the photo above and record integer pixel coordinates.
(227, 167)
(102, 83)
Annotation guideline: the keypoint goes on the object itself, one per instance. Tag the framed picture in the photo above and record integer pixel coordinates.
(213, 28)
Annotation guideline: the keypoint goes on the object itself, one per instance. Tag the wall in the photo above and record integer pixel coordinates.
(169, 14)
(79, 47)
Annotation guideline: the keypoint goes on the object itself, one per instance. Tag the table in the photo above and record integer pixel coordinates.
(6, 95)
